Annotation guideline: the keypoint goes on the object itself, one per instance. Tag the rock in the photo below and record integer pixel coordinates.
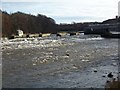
(58, 35)
(34, 64)
(103, 76)
(25, 40)
(67, 54)
(35, 40)
(95, 70)
(85, 60)
(72, 34)
(110, 75)
(114, 64)
(3, 48)
(114, 79)
(75, 67)
(107, 81)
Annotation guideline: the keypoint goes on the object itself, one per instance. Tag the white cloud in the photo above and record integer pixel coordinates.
(119, 9)
(36, 0)
(66, 8)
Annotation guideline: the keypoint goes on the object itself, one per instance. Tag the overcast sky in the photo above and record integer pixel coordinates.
(66, 11)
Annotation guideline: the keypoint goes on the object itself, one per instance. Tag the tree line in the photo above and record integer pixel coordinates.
(31, 24)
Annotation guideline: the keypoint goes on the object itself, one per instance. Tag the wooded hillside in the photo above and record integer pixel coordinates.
(26, 22)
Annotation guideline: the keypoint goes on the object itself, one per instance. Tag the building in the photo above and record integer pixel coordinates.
(101, 28)
(20, 33)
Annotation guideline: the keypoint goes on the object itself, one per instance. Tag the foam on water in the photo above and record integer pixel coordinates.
(44, 42)
(87, 39)
(98, 38)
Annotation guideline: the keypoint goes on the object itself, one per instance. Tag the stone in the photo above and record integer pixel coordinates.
(67, 54)
(103, 76)
(110, 75)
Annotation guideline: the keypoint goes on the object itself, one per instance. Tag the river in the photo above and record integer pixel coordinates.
(58, 62)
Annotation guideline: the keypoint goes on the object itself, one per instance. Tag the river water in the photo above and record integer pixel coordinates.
(58, 62)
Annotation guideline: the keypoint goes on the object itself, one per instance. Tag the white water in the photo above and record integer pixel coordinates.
(19, 43)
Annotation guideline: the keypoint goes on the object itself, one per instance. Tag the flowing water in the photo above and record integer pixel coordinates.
(58, 62)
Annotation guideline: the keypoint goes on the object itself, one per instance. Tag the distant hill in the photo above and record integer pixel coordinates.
(111, 21)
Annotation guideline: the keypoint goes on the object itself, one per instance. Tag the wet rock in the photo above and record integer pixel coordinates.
(114, 79)
(64, 57)
(35, 40)
(20, 47)
(74, 67)
(3, 48)
(95, 70)
(114, 64)
(85, 60)
(58, 35)
(67, 54)
(43, 61)
(103, 76)
(107, 81)
(34, 64)
(72, 34)
(110, 75)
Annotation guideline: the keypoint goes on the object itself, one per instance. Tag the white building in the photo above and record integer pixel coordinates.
(20, 33)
